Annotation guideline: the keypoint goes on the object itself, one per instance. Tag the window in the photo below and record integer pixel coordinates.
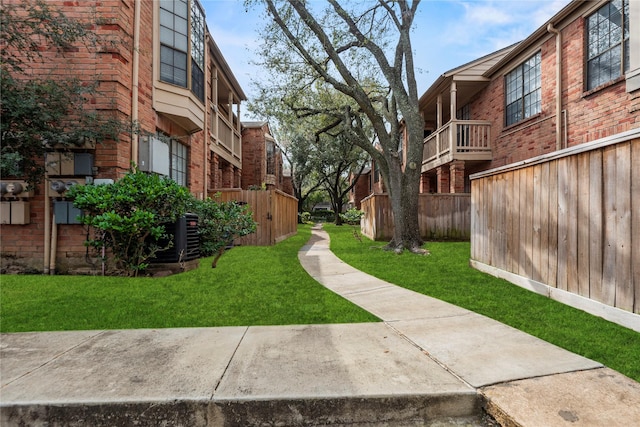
(173, 42)
(179, 154)
(607, 43)
(523, 92)
(271, 158)
(197, 50)
(182, 36)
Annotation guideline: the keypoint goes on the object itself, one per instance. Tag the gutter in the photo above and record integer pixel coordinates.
(135, 80)
(551, 29)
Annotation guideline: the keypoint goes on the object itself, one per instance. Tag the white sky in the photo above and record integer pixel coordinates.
(447, 33)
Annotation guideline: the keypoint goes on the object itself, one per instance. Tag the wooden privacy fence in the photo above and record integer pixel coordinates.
(568, 223)
(275, 212)
(440, 216)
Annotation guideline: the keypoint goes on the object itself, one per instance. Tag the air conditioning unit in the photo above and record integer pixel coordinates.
(186, 242)
(153, 155)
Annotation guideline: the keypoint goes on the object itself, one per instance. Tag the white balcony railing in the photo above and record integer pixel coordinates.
(457, 140)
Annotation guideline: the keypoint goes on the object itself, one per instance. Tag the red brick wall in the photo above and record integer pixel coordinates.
(590, 115)
(361, 190)
(110, 63)
(253, 157)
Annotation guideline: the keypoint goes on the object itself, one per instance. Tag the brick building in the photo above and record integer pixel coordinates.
(574, 80)
(159, 69)
(262, 165)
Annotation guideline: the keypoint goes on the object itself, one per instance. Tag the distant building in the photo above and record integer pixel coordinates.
(262, 164)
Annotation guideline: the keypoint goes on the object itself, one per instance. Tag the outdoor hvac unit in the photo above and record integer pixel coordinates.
(186, 243)
(153, 155)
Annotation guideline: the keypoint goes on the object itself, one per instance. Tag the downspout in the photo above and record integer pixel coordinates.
(206, 138)
(135, 80)
(552, 30)
(47, 224)
(54, 245)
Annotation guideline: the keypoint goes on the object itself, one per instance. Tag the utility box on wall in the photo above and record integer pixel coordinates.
(65, 212)
(153, 156)
(69, 164)
(16, 212)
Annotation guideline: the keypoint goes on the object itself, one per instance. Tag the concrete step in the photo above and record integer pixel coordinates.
(363, 374)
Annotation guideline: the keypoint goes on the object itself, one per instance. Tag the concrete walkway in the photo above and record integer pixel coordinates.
(428, 363)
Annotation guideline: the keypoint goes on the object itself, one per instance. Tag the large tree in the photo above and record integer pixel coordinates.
(349, 46)
(308, 122)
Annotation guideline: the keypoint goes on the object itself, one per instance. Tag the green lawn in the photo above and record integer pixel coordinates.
(250, 286)
(446, 275)
(267, 286)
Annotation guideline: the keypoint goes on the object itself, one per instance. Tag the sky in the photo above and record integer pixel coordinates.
(447, 33)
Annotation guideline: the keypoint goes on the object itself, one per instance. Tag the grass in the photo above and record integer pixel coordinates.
(267, 286)
(250, 286)
(446, 275)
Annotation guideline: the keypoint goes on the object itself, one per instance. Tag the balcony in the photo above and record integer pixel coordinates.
(467, 140)
(225, 136)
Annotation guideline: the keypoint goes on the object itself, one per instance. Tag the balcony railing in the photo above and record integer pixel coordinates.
(457, 140)
(226, 134)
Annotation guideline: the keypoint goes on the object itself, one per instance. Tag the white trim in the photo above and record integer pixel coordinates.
(607, 312)
(577, 149)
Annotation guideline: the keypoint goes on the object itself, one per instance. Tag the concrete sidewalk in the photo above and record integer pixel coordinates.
(428, 363)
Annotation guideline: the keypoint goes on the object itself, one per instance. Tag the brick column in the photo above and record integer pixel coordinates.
(456, 169)
(424, 183)
(238, 178)
(227, 175)
(442, 172)
(214, 172)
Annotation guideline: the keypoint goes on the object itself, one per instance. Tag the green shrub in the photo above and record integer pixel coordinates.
(352, 216)
(220, 223)
(129, 214)
(327, 215)
(304, 217)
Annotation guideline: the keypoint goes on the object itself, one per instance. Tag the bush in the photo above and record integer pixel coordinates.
(304, 217)
(352, 216)
(129, 215)
(220, 223)
(327, 215)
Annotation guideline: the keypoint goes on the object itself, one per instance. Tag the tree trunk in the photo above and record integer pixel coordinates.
(404, 190)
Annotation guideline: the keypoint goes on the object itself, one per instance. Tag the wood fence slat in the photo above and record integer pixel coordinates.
(553, 224)
(635, 222)
(596, 237)
(522, 263)
(609, 238)
(536, 273)
(508, 221)
(528, 226)
(476, 200)
(544, 223)
(583, 221)
(572, 224)
(624, 288)
(563, 228)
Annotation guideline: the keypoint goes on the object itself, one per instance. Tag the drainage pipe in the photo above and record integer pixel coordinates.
(552, 30)
(135, 80)
(54, 245)
(47, 224)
